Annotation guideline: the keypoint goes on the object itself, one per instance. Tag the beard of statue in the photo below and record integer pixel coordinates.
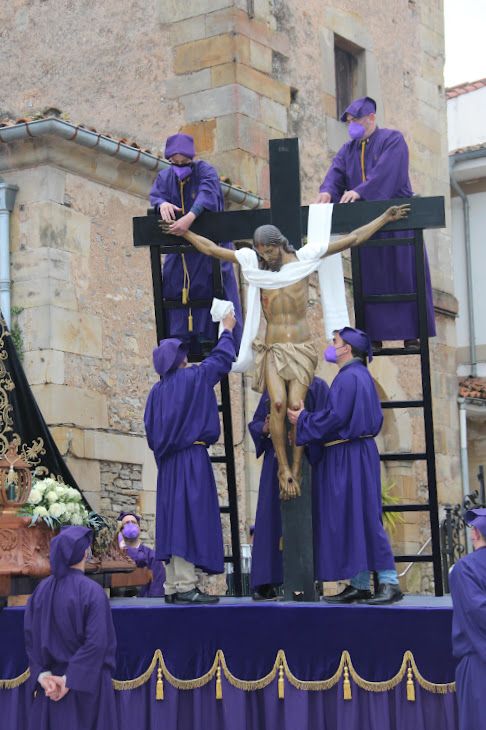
(270, 244)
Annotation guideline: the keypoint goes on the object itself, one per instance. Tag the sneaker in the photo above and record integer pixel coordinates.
(195, 596)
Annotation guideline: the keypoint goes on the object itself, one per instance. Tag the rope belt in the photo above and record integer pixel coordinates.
(346, 441)
(199, 443)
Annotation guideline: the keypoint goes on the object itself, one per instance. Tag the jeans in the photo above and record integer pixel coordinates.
(361, 581)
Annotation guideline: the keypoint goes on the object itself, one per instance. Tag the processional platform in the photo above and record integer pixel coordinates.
(269, 666)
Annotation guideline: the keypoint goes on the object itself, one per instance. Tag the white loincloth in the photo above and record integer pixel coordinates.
(331, 281)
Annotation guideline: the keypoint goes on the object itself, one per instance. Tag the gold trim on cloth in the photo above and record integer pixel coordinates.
(408, 671)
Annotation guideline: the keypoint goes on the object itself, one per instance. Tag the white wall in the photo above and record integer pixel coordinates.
(466, 119)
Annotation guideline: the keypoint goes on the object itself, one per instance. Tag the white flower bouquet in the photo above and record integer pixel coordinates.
(56, 504)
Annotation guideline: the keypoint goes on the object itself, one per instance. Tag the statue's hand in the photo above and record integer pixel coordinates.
(397, 212)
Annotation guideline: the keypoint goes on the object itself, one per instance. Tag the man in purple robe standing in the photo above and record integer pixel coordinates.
(181, 421)
(70, 642)
(351, 539)
(266, 554)
(373, 165)
(142, 555)
(190, 187)
(467, 582)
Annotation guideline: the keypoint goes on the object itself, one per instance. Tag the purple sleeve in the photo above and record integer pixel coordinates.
(389, 174)
(260, 439)
(316, 401)
(32, 647)
(148, 419)
(335, 181)
(84, 667)
(320, 425)
(159, 192)
(209, 194)
(219, 361)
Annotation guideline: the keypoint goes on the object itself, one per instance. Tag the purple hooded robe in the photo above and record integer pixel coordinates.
(348, 528)
(266, 558)
(181, 410)
(144, 557)
(389, 269)
(69, 630)
(467, 581)
(201, 190)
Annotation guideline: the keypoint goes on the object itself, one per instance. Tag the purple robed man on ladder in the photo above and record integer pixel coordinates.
(373, 165)
(351, 539)
(190, 187)
(266, 554)
(467, 581)
(181, 421)
(70, 642)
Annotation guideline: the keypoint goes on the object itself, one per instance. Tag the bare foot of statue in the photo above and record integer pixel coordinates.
(289, 486)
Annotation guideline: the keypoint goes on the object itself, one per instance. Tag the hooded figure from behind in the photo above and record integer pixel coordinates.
(70, 640)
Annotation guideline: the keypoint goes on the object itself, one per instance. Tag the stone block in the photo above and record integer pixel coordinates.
(223, 74)
(189, 29)
(204, 53)
(263, 84)
(67, 404)
(274, 115)
(38, 292)
(218, 102)
(148, 503)
(336, 135)
(50, 327)
(44, 366)
(260, 57)
(93, 499)
(237, 20)
(329, 104)
(37, 184)
(43, 263)
(114, 447)
(171, 11)
(204, 134)
(86, 473)
(177, 86)
(55, 226)
(429, 92)
(69, 440)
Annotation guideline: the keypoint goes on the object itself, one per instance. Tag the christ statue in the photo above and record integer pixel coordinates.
(286, 361)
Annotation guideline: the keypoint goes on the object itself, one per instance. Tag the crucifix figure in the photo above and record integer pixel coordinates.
(287, 359)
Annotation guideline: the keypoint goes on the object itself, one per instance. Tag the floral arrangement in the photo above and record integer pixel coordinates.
(58, 504)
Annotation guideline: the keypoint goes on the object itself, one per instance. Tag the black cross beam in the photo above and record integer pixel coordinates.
(290, 217)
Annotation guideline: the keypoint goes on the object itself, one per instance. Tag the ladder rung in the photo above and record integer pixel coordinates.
(402, 404)
(413, 558)
(382, 298)
(218, 459)
(224, 510)
(413, 456)
(396, 351)
(406, 508)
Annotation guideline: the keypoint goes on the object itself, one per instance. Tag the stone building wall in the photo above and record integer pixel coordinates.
(232, 73)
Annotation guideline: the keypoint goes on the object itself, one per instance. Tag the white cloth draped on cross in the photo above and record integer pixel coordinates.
(331, 281)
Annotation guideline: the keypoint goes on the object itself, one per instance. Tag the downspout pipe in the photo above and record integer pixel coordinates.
(7, 201)
(467, 247)
(463, 441)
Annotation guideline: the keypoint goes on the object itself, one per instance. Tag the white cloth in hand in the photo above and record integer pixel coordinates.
(219, 309)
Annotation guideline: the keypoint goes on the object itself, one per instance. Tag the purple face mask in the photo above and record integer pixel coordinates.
(131, 531)
(182, 171)
(330, 354)
(356, 130)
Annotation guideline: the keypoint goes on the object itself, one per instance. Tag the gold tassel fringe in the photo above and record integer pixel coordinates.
(410, 686)
(159, 687)
(219, 686)
(281, 682)
(346, 684)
